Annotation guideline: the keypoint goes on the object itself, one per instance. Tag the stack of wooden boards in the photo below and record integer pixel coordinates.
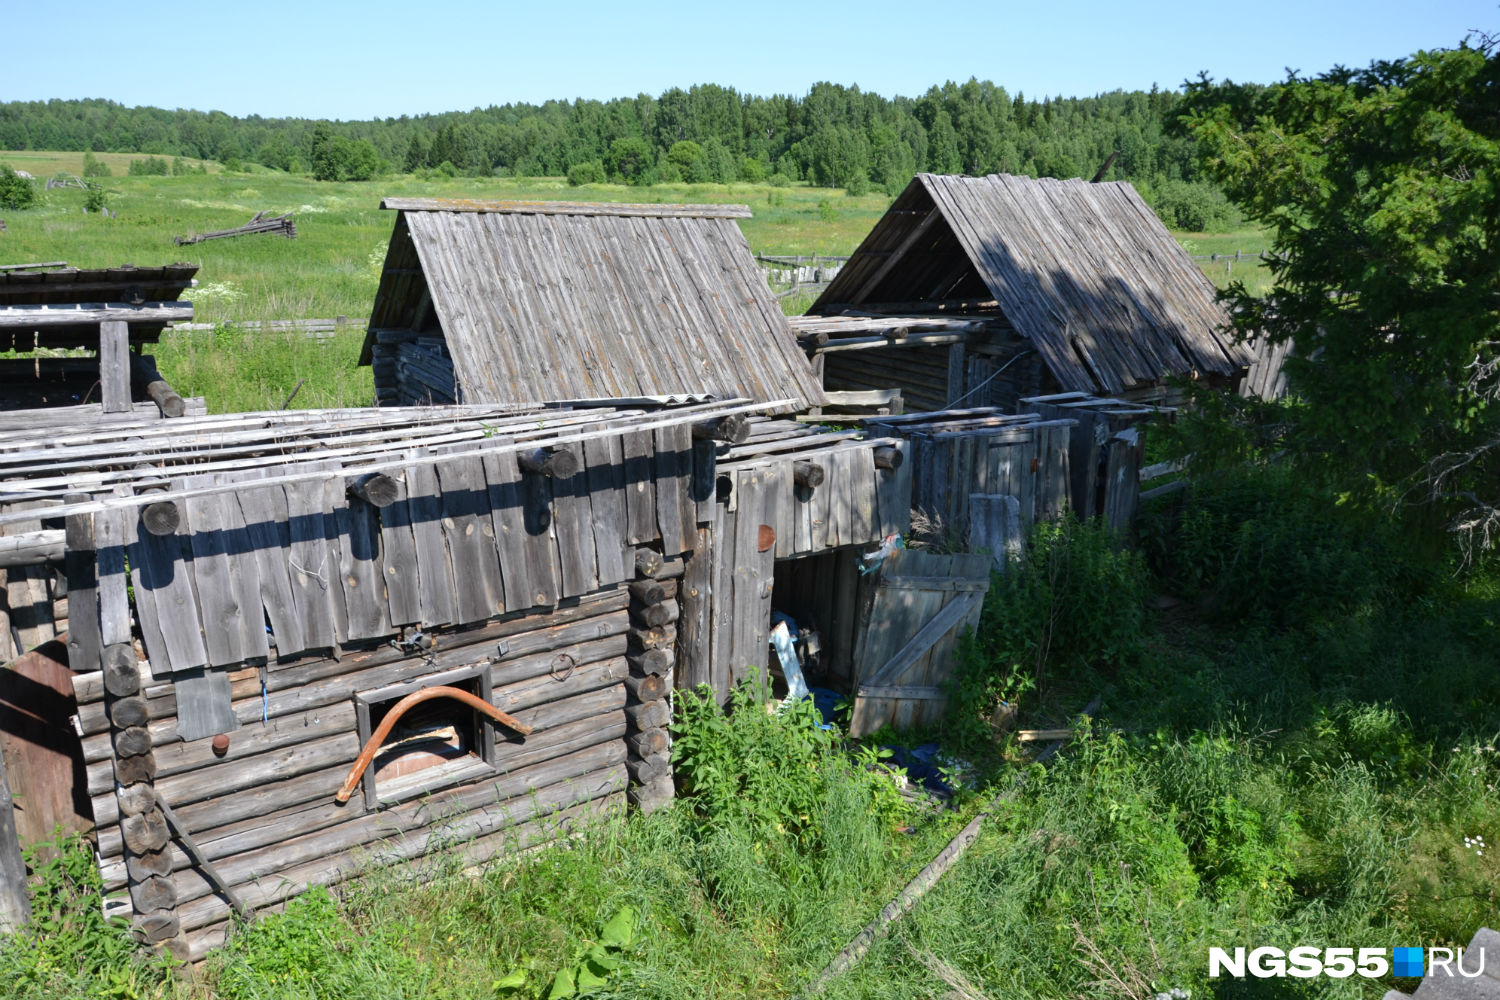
(281, 225)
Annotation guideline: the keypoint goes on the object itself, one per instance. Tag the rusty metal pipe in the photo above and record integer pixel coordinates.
(372, 745)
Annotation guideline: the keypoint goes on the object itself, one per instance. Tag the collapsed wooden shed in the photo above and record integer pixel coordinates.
(504, 302)
(113, 312)
(1080, 286)
(461, 620)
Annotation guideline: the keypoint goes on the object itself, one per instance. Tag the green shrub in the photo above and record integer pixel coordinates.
(779, 180)
(1267, 546)
(152, 166)
(16, 192)
(776, 805)
(94, 167)
(591, 172)
(93, 199)
(70, 949)
(1074, 604)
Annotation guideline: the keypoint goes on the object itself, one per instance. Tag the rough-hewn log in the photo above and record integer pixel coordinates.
(734, 428)
(137, 799)
(652, 591)
(133, 742)
(808, 474)
(648, 769)
(32, 548)
(145, 377)
(648, 562)
(161, 518)
(660, 637)
(652, 795)
(375, 488)
(888, 457)
(558, 463)
(647, 743)
(154, 928)
(652, 661)
(654, 615)
(122, 672)
(649, 687)
(649, 715)
(129, 770)
(153, 893)
(143, 866)
(146, 832)
(129, 712)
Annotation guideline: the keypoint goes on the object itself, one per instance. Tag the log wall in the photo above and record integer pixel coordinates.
(264, 815)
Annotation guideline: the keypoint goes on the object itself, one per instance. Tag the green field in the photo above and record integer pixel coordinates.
(333, 266)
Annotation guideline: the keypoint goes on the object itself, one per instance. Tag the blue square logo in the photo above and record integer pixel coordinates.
(1407, 962)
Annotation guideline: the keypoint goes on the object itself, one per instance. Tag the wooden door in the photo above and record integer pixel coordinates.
(921, 606)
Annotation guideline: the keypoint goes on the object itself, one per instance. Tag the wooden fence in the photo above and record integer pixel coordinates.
(313, 329)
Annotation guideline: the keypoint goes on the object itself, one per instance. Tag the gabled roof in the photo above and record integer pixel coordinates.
(559, 300)
(45, 285)
(1086, 272)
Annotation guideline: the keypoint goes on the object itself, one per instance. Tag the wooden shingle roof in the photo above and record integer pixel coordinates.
(558, 300)
(1085, 271)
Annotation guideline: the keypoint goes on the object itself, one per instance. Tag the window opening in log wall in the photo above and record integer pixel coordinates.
(435, 744)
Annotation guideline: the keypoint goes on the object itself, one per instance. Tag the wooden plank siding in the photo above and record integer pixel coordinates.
(538, 301)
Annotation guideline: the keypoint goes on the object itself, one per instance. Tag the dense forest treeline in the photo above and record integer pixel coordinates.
(835, 136)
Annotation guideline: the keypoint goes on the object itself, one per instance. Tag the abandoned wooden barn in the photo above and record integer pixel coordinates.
(504, 302)
(460, 620)
(301, 642)
(1060, 286)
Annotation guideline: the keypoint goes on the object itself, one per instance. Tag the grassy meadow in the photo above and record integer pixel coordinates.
(333, 266)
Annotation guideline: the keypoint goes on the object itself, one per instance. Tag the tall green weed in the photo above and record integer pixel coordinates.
(1074, 605)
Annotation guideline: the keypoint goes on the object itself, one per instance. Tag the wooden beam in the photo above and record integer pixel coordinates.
(567, 208)
(40, 317)
(114, 366)
(918, 306)
(890, 262)
(15, 905)
(143, 373)
(31, 548)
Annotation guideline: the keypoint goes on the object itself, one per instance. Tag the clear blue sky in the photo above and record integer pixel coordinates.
(362, 60)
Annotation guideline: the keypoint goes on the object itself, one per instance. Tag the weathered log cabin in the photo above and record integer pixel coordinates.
(1065, 286)
(490, 302)
(305, 641)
